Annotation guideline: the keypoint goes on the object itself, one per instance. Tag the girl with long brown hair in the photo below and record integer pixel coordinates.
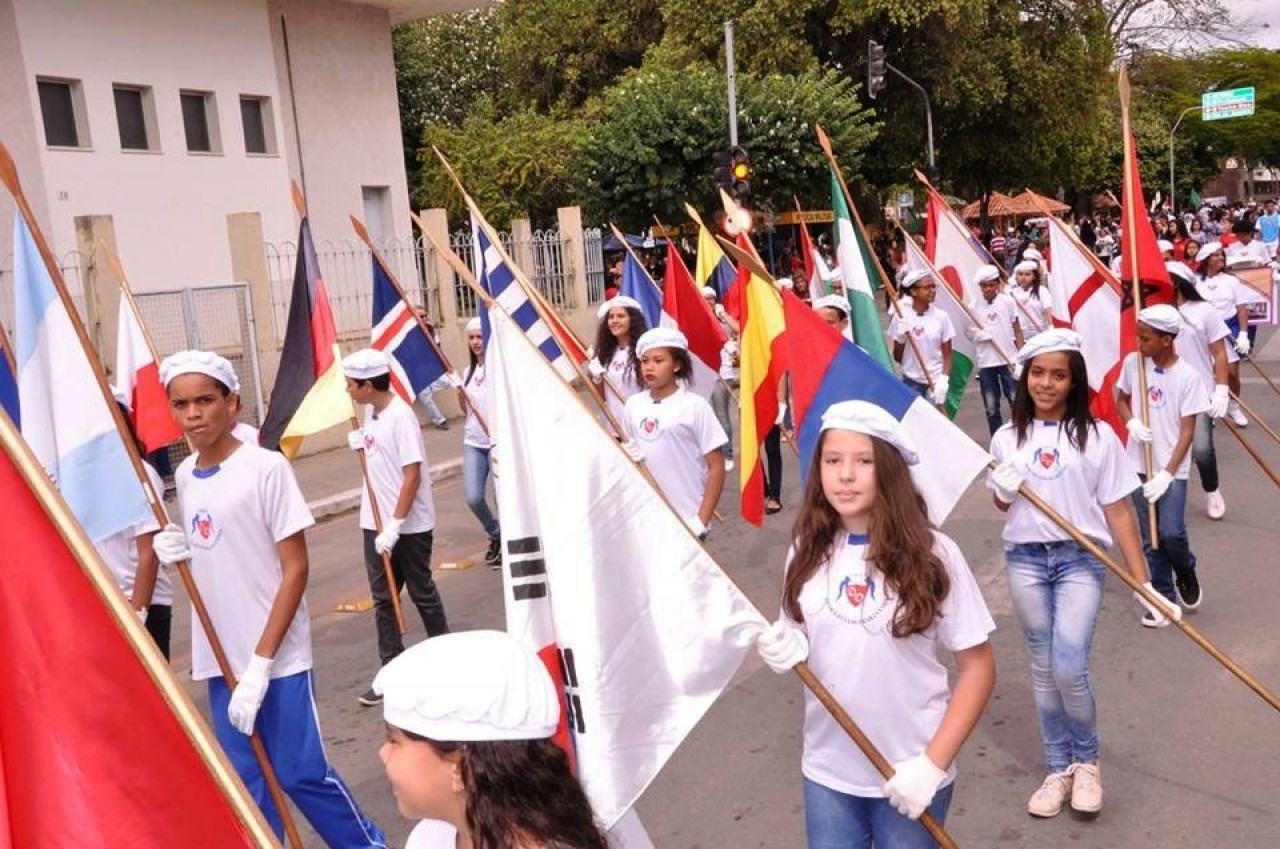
(871, 589)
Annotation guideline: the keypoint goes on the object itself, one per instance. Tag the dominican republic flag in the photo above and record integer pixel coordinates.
(89, 744)
(637, 624)
(310, 393)
(963, 349)
(8, 381)
(137, 377)
(415, 363)
(65, 417)
(499, 280)
(827, 368)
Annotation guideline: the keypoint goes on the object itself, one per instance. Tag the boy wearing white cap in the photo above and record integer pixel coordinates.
(243, 524)
(998, 341)
(932, 330)
(396, 456)
(1176, 395)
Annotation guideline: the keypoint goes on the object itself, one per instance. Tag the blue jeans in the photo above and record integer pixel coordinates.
(1056, 588)
(1203, 453)
(720, 402)
(921, 389)
(1174, 554)
(995, 381)
(429, 403)
(475, 476)
(290, 731)
(835, 820)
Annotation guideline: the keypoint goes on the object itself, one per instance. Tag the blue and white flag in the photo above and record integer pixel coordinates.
(65, 418)
(415, 363)
(500, 282)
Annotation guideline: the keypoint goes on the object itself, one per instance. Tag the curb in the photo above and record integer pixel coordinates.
(344, 502)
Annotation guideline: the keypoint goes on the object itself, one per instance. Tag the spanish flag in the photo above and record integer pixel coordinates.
(763, 361)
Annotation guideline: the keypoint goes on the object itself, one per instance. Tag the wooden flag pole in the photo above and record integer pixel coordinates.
(6, 349)
(822, 283)
(1257, 418)
(1254, 363)
(9, 176)
(1250, 450)
(1131, 207)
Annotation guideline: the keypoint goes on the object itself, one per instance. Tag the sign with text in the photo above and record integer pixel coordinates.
(1233, 103)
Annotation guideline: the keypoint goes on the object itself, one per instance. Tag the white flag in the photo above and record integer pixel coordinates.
(629, 611)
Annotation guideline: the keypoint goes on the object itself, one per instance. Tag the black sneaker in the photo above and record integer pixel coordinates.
(369, 698)
(441, 425)
(1188, 586)
(493, 556)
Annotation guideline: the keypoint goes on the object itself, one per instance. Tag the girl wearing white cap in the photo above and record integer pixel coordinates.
(932, 330)
(871, 591)
(245, 519)
(675, 431)
(470, 718)
(1055, 447)
(614, 358)
(1226, 293)
(476, 443)
(1032, 296)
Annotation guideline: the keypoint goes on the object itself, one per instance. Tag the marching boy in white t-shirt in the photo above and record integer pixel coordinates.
(396, 454)
(243, 519)
(999, 339)
(1176, 394)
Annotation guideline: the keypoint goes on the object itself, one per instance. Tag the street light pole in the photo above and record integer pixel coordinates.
(928, 116)
(732, 83)
(1173, 196)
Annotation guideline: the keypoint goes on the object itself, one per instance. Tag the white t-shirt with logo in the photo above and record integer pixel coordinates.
(477, 400)
(1076, 484)
(120, 551)
(393, 440)
(930, 329)
(1201, 327)
(627, 384)
(1224, 292)
(1038, 306)
(1172, 392)
(896, 689)
(675, 434)
(1255, 250)
(997, 317)
(234, 514)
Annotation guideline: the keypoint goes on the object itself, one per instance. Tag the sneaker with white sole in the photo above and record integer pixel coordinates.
(1086, 788)
(1052, 795)
(1215, 505)
(1237, 415)
(1149, 620)
(1188, 590)
(370, 698)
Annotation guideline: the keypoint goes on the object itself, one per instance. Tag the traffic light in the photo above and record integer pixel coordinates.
(722, 160)
(740, 173)
(875, 68)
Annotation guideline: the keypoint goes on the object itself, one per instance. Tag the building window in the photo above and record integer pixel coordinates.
(200, 121)
(259, 128)
(62, 108)
(135, 117)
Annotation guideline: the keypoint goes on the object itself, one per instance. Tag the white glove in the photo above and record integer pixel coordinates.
(913, 785)
(385, 541)
(1242, 343)
(1017, 371)
(782, 645)
(720, 313)
(633, 451)
(977, 334)
(1167, 610)
(596, 370)
(696, 527)
(355, 439)
(454, 379)
(782, 415)
(1155, 488)
(1219, 401)
(171, 546)
(941, 385)
(247, 697)
(1005, 480)
(1138, 430)
(142, 615)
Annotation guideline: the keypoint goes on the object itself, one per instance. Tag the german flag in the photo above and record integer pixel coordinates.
(310, 393)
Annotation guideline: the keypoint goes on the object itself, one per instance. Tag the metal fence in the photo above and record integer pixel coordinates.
(592, 241)
(70, 264)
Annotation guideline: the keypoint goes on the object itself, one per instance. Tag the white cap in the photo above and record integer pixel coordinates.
(785, 282)
(469, 686)
(1241, 259)
(365, 363)
(1164, 245)
(985, 273)
(708, 292)
(199, 362)
(1027, 265)
(661, 337)
(1207, 251)
(472, 325)
(624, 301)
(865, 417)
(1050, 341)
(121, 398)
(835, 302)
(1181, 270)
(1032, 253)
(914, 276)
(1161, 317)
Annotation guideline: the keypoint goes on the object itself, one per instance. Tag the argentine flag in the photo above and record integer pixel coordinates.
(65, 418)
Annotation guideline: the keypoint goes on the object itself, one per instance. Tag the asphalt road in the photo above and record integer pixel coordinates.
(1190, 756)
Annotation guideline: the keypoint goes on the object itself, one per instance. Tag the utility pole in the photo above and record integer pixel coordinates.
(1173, 195)
(733, 83)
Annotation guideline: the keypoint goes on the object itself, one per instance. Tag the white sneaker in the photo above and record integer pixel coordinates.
(1214, 504)
(1086, 788)
(728, 465)
(1052, 795)
(1237, 415)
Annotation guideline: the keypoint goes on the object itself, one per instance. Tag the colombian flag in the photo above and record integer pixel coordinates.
(763, 360)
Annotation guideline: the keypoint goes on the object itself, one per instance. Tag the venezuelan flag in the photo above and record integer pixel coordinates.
(762, 360)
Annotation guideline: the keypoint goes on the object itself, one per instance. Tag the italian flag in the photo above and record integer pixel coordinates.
(856, 273)
(963, 353)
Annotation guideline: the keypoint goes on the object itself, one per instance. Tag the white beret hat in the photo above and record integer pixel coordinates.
(624, 301)
(914, 276)
(661, 337)
(985, 273)
(1164, 245)
(365, 363)
(469, 686)
(1181, 270)
(1161, 317)
(1027, 265)
(1032, 253)
(865, 417)
(1207, 251)
(785, 282)
(835, 302)
(708, 292)
(473, 325)
(199, 362)
(1055, 339)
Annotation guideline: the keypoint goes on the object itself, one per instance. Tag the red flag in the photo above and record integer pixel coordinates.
(812, 270)
(137, 376)
(1138, 239)
(683, 301)
(91, 753)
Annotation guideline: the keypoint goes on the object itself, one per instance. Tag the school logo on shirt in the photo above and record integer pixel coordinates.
(992, 317)
(649, 428)
(203, 533)
(857, 593)
(1155, 395)
(918, 331)
(1046, 463)
(368, 443)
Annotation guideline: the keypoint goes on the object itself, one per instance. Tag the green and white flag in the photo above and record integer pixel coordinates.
(857, 270)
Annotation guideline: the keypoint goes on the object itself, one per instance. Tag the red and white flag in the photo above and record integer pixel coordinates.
(137, 376)
(682, 300)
